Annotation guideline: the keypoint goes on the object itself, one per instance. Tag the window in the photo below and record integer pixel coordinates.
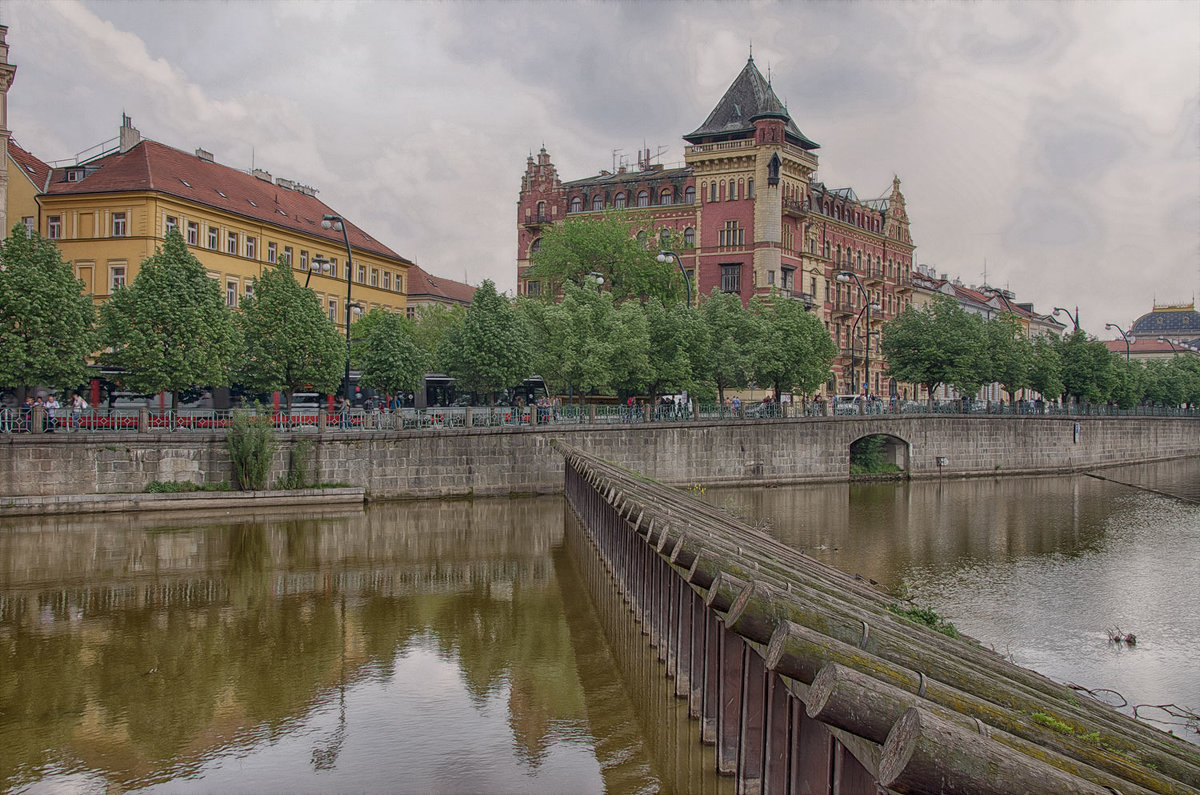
(787, 278)
(251, 247)
(731, 278)
(712, 191)
(271, 252)
(387, 280)
(689, 236)
(770, 277)
(749, 189)
(619, 201)
(533, 288)
(249, 289)
(666, 197)
(535, 246)
(193, 233)
(362, 274)
(576, 205)
(664, 238)
(410, 312)
(541, 212)
(231, 243)
(374, 277)
(732, 234)
(172, 223)
(116, 277)
(54, 227)
(287, 254)
(333, 309)
(212, 238)
(303, 260)
(643, 198)
(231, 292)
(597, 202)
(689, 195)
(118, 225)
(789, 238)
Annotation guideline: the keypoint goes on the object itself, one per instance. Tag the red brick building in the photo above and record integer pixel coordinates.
(753, 217)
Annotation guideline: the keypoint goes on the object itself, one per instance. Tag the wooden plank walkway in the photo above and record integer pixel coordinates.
(807, 683)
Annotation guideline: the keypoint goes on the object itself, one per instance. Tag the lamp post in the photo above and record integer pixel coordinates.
(667, 256)
(1123, 336)
(1174, 350)
(336, 222)
(1074, 317)
(845, 277)
(320, 265)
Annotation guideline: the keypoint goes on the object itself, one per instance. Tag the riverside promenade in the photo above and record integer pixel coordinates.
(477, 461)
(805, 680)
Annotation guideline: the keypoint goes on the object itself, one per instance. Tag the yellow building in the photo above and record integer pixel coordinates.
(109, 213)
(27, 177)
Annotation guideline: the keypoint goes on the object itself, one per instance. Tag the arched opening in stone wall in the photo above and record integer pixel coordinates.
(878, 454)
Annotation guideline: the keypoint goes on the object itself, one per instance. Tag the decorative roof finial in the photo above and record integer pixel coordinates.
(751, 51)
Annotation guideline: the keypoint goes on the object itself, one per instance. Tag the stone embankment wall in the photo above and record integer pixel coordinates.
(433, 463)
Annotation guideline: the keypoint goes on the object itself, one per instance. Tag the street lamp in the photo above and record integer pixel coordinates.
(1174, 350)
(1127, 339)
(1074, 317)
(667, 256)
(320, 265)
(845, 277)
(336, 222)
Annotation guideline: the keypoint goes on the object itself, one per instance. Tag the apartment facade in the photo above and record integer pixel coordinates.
(752, 217)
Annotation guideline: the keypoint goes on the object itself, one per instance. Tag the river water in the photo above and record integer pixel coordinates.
(453, 646)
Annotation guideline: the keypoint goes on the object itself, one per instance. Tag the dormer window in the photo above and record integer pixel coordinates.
(75, 174)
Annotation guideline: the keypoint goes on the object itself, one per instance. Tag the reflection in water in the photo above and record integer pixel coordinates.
(1037, 568)
(414, 646)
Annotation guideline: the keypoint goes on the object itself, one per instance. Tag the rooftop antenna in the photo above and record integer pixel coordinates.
(615, 154)
(751, 50)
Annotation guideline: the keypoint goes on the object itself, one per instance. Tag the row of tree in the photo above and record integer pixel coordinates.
(942, 344)
(170, 331)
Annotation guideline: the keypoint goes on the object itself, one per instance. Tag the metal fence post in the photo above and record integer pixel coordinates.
(321, 419)
(38, 419)
(143, 420)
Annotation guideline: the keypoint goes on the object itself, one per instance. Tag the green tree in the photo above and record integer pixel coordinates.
(1045, 369)
(731, 334)
(433, 325)
(793, 349)
(1009, 354)
(574, 342)
(607, 245)
(391, 361)
(489, 351)
(288, 342)
(1088, 367)
(934, 345)
(677, 339)
(47, 322)
(170, 329)
(630, 347)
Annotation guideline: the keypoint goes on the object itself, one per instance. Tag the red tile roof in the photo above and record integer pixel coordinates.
(36, 171)
(151, 166)
(422, 285)
(1143, 346)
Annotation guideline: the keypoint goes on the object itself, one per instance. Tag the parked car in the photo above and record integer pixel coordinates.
(848, 404)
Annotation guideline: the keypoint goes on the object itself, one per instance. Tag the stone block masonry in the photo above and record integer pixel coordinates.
(489, 461)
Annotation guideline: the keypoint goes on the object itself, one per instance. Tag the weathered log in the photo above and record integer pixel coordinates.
(800, 653)
(926, 754)
(724, 589)
(858, 703)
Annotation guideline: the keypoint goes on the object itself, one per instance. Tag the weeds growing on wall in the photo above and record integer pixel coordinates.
(297, 475)
(251, 445)
(866, 457)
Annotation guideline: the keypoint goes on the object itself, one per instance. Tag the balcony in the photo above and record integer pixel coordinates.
(797, 208)
(843, 308)
(540, 219)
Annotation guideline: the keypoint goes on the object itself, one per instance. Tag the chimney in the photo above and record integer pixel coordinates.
(286, 184)
(204, 155)
(265, 176)
(129, 135)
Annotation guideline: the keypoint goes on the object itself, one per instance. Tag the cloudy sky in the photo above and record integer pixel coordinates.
(1055, 144)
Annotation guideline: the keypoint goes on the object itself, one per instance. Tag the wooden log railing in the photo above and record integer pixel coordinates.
(805, 681)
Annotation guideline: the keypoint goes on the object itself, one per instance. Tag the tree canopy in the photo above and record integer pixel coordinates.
(936, 344)
(792, 349)
(731, 334)
(288, 342)
(47, 322)
(489, 352)
(391, 361)
(608, 245)
(170, 329)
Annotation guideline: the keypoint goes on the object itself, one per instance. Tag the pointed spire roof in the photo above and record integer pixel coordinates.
(749, 97)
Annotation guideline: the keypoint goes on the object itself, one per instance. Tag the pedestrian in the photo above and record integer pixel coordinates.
(344, 413)
(737, 406)
(52, 407)
(78, 406)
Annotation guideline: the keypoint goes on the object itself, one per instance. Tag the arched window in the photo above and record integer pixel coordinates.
(597, 202)
(858, 260)
(619, 201)
(689, 195)
(712, 191)
(641, 238)
(535, 246)
(664, 238)
(576, 205)
(749, 189)
(741, 185)
(643, 199)
(666, 197)
(541, 213)
(689, 236)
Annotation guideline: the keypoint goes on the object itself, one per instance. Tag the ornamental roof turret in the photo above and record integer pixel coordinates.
(749, 97)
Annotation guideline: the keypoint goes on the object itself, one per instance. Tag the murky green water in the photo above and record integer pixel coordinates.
(453, 647)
